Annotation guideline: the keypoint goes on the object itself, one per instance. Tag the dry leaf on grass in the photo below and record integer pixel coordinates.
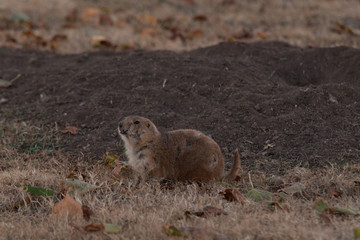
(233, 195)
(68, 207)
(334, 191)
(110, 157)
(357, 232)
(70, 129)
(275, 205)
(79, 186)
(94, 227)
(87, 212)
(101, 42)
(121, 170)
(197, 232)
(258, 195)
(38, 191)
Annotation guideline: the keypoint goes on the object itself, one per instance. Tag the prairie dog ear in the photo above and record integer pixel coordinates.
(148, 125)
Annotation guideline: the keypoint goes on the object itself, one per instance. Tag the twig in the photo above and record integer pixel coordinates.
(251, 183)
(15, 78)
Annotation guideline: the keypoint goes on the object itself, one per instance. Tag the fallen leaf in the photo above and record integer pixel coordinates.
(121, 169)
(200, 18)
(79, 186)
(237, 178)
(282, 195)
(110, 157)
(3, 100)
(197, 33)
(112, 228)
(98, 41)
(346, 211)
(87, 212)
(90, 16)
(357, 232)
(172, 231)
(94, 227)
(342, 28)
(295, 188)
(207, 212)
(334, 191)
(38, 191)
(258, 195)
(233, 195)
(19, 16)
(68, 207)
(5, 84)
(277, 205)
(320, 206)
(70, 129)
(261, 35)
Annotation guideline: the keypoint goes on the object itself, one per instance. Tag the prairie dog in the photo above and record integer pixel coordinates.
(181, 155)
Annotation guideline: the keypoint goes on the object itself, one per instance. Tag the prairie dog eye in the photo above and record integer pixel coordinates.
(136, 122)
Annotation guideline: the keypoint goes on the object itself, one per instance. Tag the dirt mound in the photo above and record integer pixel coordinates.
(282, 106)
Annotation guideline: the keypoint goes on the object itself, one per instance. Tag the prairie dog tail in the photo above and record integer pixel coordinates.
(235, 168)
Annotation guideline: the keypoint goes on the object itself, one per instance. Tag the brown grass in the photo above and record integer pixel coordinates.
(301, 23)
(142, 209)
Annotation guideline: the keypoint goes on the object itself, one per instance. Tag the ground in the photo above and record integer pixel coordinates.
(290, 107)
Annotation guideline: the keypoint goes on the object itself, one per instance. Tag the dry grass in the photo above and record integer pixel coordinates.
(302, 23)
(142, 209)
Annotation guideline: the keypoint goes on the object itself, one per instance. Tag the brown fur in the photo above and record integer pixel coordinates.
(184, 154)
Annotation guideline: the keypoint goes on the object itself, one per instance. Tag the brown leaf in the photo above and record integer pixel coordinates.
(101, 42)
(200, 18)
(233, 195)
(197, 33)
(68, 207)
(94, 227)
(120, 168)
(70, 129)
(342, 28)
(325, 217)
(207, 212)
(237, 178)
(59, 37)
(334, 191)
(87, 212)
(261, 35)
(90, 16)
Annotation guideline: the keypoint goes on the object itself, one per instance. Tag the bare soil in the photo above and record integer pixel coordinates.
(282, 106)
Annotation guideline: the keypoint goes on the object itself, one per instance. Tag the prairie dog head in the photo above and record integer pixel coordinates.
(135, 130)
